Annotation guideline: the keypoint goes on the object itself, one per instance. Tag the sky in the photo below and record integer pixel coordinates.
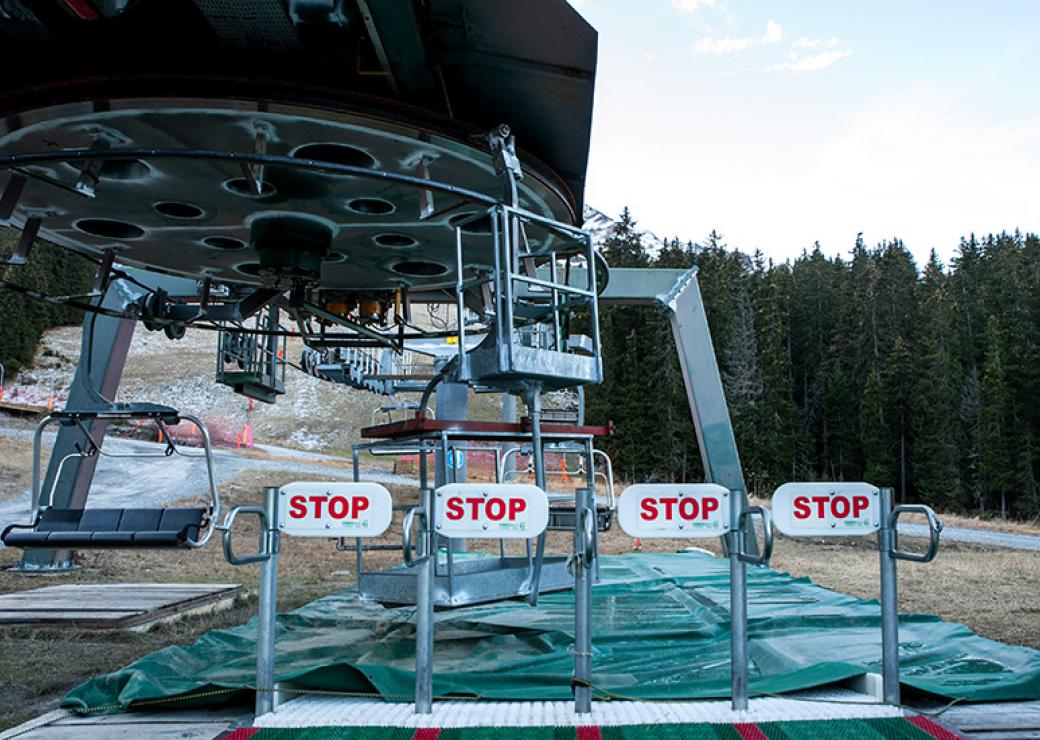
(780, 123)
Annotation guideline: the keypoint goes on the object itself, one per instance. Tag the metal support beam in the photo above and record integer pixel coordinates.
(738, 633)
(268, 610)
(534, 411)
(424, 626)
(585, 555)
(889, 603)
(451, 402)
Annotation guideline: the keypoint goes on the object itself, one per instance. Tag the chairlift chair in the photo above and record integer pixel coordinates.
(562, 516)
(130, 528)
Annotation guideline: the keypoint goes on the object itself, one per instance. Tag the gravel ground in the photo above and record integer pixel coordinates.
(989, 537)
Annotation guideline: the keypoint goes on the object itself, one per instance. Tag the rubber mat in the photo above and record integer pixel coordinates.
(660, 631)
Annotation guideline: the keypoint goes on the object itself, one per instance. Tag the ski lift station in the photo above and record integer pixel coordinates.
(331, 170)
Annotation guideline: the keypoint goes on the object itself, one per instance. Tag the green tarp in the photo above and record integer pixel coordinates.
(660, 631)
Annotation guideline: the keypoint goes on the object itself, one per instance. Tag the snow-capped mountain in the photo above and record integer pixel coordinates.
(600, 225)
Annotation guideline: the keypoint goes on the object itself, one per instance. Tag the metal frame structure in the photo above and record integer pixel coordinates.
(461, 582)
(258, 360)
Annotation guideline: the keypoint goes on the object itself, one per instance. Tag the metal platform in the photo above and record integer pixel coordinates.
(476, 581)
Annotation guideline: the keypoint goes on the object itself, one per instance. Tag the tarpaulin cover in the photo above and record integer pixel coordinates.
(660, 631)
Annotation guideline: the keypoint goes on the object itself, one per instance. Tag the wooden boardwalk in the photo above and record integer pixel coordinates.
(112, 605)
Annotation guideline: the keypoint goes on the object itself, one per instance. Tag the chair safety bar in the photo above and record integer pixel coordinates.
(935, 527)
(93, 447)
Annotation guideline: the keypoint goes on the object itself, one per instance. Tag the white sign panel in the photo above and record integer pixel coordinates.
(495, 510)
(334, 509)
(821, 509)
(674, 510)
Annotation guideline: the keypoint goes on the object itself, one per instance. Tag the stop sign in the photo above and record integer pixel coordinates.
(307, 509)
(496, 510)
(821, 509)
(674, 510)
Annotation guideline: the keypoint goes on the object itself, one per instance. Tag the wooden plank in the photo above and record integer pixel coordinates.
(66, 616)
(188, 723)
(77, 587)
(185, 731)
(111, 605)
(994, 720)
(99, 600)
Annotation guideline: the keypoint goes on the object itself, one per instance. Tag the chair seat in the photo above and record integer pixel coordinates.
(94, 529)
(563, 518)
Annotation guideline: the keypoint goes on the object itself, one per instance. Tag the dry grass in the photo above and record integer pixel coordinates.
(15, 466)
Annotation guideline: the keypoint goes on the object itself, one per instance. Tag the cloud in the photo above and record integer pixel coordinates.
(734, 44)
(692, 6)
(807, 43)
(797, 64)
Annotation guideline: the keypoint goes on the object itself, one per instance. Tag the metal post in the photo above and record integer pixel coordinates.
(583, 596)
(424, 600)
(265, 628)
(889, 603)
(534, 410)
(737, 605)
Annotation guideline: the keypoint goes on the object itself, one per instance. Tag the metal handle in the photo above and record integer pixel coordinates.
(588, 525)
(406, 536)
(767, 535)
(935, 527)
(264, 545)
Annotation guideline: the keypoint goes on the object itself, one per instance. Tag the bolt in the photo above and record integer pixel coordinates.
(484, 526)
(485, 494)
(833, 525)
(438, 526)
(439, 494)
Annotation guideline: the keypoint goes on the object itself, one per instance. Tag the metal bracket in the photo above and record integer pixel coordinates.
(935, 527)
(25, 243)
(507, 165)
(12, 194)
